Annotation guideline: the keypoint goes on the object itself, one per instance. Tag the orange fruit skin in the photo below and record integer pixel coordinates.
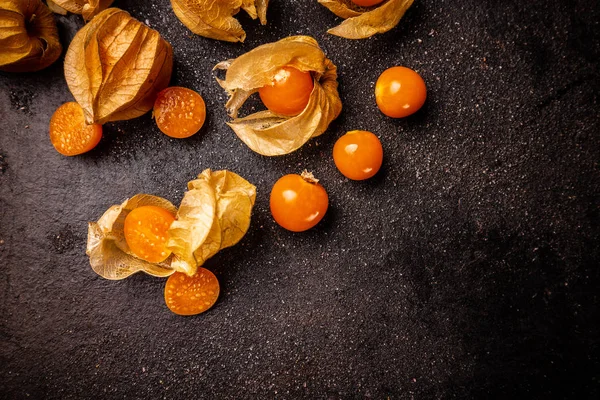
(400, 92)
(179, 112)
(145, 230)
(70, 134)
(358, 155)
(191, 295)
(298, 205)
(366, 3)
(289, 92)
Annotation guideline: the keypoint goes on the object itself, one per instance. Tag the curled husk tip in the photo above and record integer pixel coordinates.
(87, 8)
(115, 67)
(214, 214)
(214, 18)
(28, 36)
(272, 134)
(364, 22)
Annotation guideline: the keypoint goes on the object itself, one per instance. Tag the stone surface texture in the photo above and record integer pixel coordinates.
(467, 268)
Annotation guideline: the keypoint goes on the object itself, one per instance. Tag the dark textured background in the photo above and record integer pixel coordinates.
(467, 268)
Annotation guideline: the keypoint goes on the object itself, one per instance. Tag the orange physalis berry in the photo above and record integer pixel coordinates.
(298, 202)
(289, 92)
(400, 92)
(358, 155)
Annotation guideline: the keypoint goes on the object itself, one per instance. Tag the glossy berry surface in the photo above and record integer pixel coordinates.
(400, 92)
(289, 92)
(298, 202)
(358, 155)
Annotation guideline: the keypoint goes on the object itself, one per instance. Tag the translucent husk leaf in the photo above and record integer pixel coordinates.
(250, 8)
(55, 8)
(268, 133)
(343, 8)
(214, 214)
(192, 226)
(28, 36)
(363, 22)
(214, 18)
(261, 10)
(110, 257)
(115, 67)
(87, 8)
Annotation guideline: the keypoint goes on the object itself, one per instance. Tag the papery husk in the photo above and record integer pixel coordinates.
(261, 10)
(87, 8)
(55, 8)
(364, 22)
(214, 214)
(115, 67)
(110, 256)
(214, 18)
(28, 36)
(272, 134)
(344, 8)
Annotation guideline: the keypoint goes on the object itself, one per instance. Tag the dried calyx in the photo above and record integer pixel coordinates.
(309, 177)
(214, 18)
(87, 8)
(273, 134)
(363, 22)
(115, 67)
(28, 36)
(214, 214)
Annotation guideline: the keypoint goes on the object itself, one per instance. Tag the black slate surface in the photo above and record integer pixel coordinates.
(467, 268)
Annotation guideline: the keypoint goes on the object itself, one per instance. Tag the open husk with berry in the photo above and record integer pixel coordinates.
(214, 214)
(363, 22)
(267, 132)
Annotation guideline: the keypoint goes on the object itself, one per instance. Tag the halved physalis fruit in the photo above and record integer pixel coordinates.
(289, 92)
(179, 112)
(191, 295)
(145, 230)
(70, 134)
